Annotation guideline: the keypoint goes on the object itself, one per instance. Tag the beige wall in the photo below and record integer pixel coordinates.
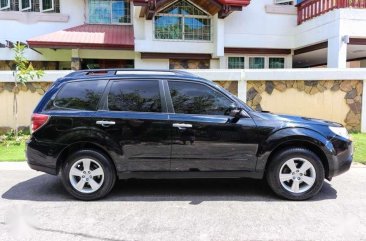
(328, 105)
(27, 101)
(335, 100)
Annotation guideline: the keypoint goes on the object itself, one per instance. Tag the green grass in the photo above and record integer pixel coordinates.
(16, 152)
(360, 147)
(12, 152)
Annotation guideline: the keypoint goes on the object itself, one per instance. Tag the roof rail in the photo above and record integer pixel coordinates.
(121, 72)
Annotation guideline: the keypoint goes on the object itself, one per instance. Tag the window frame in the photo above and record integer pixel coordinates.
(246, 60)
(265, 65)
(277, 57)
(170, 99)
(244, 63)
(5, 7)
(284, 2)
(111, 14)
(21, 9)
(104, 99)
(46, 10)
(182, 16)
(36, 6)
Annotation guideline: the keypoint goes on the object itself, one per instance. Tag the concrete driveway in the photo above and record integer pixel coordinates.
(34, 206)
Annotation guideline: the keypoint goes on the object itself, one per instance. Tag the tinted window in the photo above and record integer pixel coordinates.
(135, 95)
(81, 95)
(193, 98)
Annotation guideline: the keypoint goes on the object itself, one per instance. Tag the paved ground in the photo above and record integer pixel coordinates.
(34, 206)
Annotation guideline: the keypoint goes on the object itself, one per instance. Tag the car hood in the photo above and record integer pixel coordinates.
(296, 119)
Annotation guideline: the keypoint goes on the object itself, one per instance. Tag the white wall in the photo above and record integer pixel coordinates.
(335, 23)
(19, 31)
(255, 28)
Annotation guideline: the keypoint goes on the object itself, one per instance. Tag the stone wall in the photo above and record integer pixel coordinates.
(34, 87)
(352, 90)
(45, 65)
(231, 86)
(348, 92)
(189, 64)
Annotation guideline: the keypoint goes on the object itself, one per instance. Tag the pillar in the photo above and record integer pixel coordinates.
(242, 87)
(337, 53)
(363, 109)
(363, 63)
(75, 60)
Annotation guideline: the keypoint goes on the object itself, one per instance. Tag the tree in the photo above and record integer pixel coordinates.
(23, 73)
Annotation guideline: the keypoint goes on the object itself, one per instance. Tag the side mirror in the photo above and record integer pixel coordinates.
(238, 113)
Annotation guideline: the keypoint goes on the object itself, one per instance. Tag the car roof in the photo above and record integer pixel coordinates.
(130, 73)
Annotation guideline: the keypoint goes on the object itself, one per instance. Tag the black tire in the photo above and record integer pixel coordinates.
(274, 168)
(109, 174)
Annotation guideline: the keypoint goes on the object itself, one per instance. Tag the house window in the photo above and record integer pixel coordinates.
(109, 12)
(256, 63)
(236, 62)
(183, 21)
(30, 5)
(284, 2)
(25, 5)
(47, 5)
(4, 4)
(276, 63)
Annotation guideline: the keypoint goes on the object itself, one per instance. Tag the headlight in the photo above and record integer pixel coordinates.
(340, 131)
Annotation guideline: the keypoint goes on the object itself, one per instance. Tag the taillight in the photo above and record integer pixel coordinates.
(38, 120)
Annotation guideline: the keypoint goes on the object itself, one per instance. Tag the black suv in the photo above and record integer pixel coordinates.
(95, 126)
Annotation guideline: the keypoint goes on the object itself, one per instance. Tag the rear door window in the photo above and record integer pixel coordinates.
(135, 96)
(79, 95)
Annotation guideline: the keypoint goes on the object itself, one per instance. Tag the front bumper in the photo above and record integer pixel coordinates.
(341, 160)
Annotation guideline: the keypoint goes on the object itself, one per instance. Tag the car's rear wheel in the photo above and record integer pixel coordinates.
(88, 175)
(295, 174)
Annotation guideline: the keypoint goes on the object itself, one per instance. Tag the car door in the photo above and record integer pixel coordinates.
(134, 117)
(204, 136)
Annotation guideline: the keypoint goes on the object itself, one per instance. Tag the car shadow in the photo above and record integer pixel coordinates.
(195, 191)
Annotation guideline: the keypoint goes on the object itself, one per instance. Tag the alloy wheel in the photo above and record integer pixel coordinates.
(86, 175)
(297, 175)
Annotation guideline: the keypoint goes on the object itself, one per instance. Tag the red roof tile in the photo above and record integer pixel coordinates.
(241, 3)
(98, 36)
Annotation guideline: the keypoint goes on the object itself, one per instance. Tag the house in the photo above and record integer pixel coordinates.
(189, 34)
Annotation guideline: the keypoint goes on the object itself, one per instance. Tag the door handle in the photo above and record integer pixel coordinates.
(106, 123)
(181, 126)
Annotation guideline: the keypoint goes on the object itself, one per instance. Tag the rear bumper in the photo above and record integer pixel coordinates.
(342, 159)
(43, 156)
(44, 169)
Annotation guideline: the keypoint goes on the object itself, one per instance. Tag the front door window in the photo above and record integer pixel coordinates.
(193, 98)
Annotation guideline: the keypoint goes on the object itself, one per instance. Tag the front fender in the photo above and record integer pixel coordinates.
(290, 136)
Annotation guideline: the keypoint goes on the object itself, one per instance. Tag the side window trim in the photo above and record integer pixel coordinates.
(103, 102)
(170, 100)
(164, 107)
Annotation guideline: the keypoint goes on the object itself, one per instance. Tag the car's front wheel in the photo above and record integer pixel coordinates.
(295, 174)
(88, 175)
